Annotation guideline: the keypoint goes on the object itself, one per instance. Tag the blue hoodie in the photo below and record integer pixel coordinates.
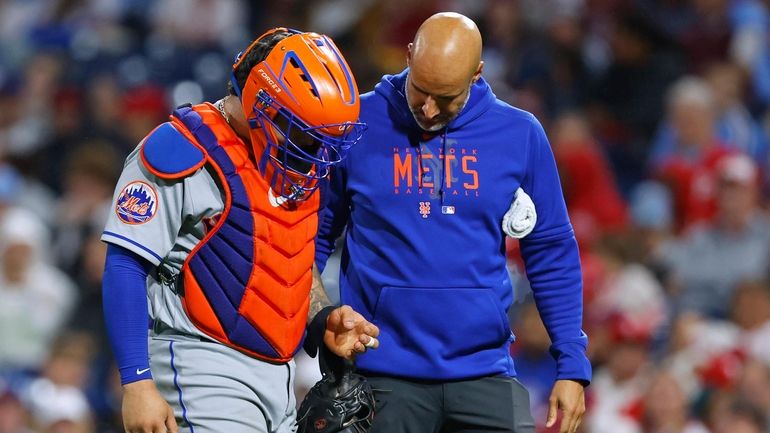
(424, 255)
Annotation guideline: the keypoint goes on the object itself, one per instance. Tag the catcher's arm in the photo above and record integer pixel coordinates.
(125, 310)
(344, 331)
(318, 297)
(348, 333)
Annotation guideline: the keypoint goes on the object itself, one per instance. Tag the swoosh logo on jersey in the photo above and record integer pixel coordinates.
(275, 201)
(141, 372)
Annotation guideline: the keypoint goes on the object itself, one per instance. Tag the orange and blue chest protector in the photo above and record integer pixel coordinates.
(247, 283)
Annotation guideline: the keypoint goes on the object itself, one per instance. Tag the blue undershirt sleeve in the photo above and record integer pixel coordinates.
(124, 295)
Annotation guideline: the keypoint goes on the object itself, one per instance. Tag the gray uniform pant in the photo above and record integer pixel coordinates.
(488, 404)
(214, 389)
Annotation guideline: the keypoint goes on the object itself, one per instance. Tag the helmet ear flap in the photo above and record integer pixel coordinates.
(263, 104)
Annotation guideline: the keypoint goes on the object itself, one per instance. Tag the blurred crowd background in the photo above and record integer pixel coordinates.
(657, 112)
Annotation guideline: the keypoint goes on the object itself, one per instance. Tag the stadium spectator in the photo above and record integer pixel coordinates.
(666, 408)
(687, 162)
(89, 176)
(707, 263)
(616, 391)
(735, 124)
(36, 297)
(593, 199)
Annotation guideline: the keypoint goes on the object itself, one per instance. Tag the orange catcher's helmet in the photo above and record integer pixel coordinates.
(302, 105)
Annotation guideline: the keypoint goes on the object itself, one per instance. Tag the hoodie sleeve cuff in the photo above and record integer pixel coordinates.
(571, 361)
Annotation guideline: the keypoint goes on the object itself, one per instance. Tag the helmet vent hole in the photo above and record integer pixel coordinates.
(333, 77)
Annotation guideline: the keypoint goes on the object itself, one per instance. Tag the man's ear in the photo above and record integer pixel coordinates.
(409, 54)
(477, 74)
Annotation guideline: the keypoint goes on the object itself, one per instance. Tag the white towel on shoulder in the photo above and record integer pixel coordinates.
(521, 218)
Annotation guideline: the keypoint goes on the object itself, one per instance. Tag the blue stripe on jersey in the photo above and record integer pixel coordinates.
(108, 233)
(179, 388)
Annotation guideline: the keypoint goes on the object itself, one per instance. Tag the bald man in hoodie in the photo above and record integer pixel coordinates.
(426, 198)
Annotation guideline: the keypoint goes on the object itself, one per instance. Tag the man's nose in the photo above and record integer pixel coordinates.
(429, 108)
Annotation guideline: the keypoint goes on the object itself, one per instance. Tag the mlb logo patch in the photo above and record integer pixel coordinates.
(137, 203)
(448, 210)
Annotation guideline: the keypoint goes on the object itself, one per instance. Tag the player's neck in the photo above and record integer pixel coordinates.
(233, 113)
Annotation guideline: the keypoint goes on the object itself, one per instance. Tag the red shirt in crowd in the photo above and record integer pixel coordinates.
(692, 181)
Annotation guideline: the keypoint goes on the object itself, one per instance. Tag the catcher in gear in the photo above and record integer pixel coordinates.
(342, 401)
(212, 238)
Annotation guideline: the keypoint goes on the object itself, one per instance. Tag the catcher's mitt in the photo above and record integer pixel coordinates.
(334, 405)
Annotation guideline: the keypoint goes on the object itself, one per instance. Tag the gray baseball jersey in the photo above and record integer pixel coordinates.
(174, 221)
(211, 387)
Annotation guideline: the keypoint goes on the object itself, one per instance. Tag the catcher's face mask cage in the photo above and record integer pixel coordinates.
(299, 155)
(302, 106)
(331, 408)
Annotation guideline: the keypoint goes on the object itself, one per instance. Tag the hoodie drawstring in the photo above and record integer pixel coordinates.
(443, 165)
(439, 175)
(420, 168)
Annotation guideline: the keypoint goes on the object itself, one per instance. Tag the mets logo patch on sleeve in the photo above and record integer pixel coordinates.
(137, 203)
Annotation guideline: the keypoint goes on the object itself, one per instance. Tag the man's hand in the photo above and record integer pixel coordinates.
(145, 411)
(348, 333)
(568, 396)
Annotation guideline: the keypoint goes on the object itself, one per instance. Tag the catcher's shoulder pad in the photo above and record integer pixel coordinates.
(168, 154)
(346, 406)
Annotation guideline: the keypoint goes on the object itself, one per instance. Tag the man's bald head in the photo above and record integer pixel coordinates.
(448, 43)
(444, 61)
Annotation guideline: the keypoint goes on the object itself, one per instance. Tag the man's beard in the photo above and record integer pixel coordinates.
(438, 126)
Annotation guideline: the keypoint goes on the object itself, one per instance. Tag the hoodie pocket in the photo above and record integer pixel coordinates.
(441, 323)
